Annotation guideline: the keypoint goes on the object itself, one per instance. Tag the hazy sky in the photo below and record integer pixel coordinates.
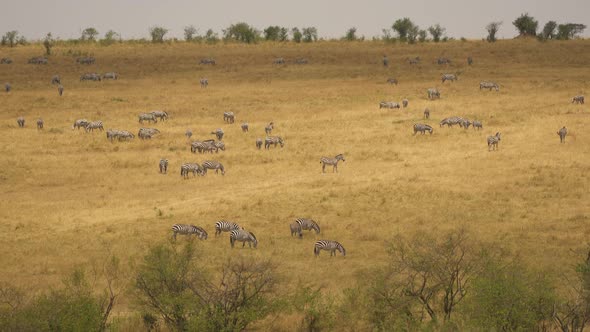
(132, 18)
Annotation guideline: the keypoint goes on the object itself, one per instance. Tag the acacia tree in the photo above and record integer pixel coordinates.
(190, 32)
(549, 31)
(241, 32)
(296, 34)
(403, 27)
(526, 25)
(422, 36)
(10, 38)
(569, 30)
(309, 34)
(89, 34)
(48, 43)
(492, 29)
(157, 33)
(436, 31)
(350, 34)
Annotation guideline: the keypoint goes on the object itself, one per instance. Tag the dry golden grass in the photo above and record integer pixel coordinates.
(68, 198)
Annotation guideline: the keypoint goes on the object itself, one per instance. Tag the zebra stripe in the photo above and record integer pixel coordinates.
(203, 146)
(218, 133)
(184, 229)
(405, 103)
(493, 142)
(443, 61)
(55, 79)
(60, 89)
(90, 77)
(40, 123)
(422, 128)
(188, 133)
(273, 140)
(279, 61)
(385, 61)
(454, 120)
(160, 115)
(80, 123)
(229, 117)
(259, 143)
(86, 60)
(449, 77)
(426, 113)
(244, 127)
(6, 61)
(207, 61)
(243, 236)
(331, 161)
(268, 129)
(38, 60)
(119, 135)
(392, 81)
(301, 61)
(489, 85)
(204, 82)
(20, 121)
(388, 104)
(308, 224)
(226, 226)
(465, 123)
(110, 76)
(413, 61)
(94, 125)
(295, 229)
(477, 124)
(190, 167)
(562, 133)
(147, 117)
(330, 246)
(578, 100)
(433, 93)
(212, 164)
(7, 87)
(163, 166)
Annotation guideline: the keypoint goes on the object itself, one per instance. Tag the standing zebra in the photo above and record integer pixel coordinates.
(578, 100)
(110, 76)
(184, 229)
(164, 166)
(226, 226)
(279, 61)
(55, 79)
(218, 133)
(330, 246)
(80, 123)
(188, 133)
(493, 142)
(443, 61)
(331, 161)
(190, 167)
(244, 127)
(40, 123)
(477, 124)
(433, 93)
(268, 129)
(489, 85)
(454, 120)
(413, 61)
(147, 133)
(204, 82)
(295, 229)
(385, 61)
(465, 123)
(212, 164)
(423, 128)
(426, 113)
(90, 77)
(308, 224)
(469, 61)
(149, 117)
(392, 81)
(273, 140)
(405, 103)
(562, 133)
(259, 143)
(7, 87)
(94, 125)
(162, 115)
(229, 117)
(388, 104)
(20, 121)
(242, 236)
(60, 90)
(449, 77)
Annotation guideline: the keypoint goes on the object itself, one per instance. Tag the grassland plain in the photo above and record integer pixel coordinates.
(69, 198)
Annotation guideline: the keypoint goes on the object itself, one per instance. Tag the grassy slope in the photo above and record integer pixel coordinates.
(67, 197)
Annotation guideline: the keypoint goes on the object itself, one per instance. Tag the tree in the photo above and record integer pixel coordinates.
(284, 34)
(436, 31)
(492, 29)
(211, 37)
(48, 43)
(350, 34)
(297, 35)
(310, 34)
(387, 35)
(573, 313)
(526, 25)
(272, 33)
(89, 34)
(413, 34)
(549, 31)
(569, 30)
(157, 33)
(190, 32)
(403, 27)
(10, 38)
(318, 310)
(422, 36)
(110, 37)
(241, 32)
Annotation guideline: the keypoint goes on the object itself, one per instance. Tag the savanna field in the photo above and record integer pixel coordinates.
(70, 198)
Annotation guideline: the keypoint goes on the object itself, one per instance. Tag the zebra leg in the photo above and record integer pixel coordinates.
(323, 168)
(335, 168)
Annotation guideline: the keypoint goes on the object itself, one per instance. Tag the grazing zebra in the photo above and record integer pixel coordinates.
(229, 117)
(124, 135)
(268, 129)
(183, 229)
(20, 121)
(449, 77)
(465, 123)
(273, 140)
(80, 123)
(454, 120)
(218, 133)
(426, 113)
(330, 246)
(259, 143)
(331, 161)
(7, 87)
(244, 127)
(443, 61)
(164, 166)
(385, 61)
(55, 79)
(60, 89)
(6, 61)
(226, 226)
(112, 134)
(388, 104)
(147, 117)
(212, 164)
(413, 61)
(219, 146)
(405, 103)
(562, 133)
(202, 146)
(38, 60)
(469, 61)
(86, 60)
(94, 125)
(188, 133)
(296, 229)
(493, 142)
(392, 81)
(279, 61)
(423, 128)
(110, 76)
(242, 236)
(90, 77)
(578, 100)
(433, 93)
(147, 133)
(489, 85)
(308, 224)
(477, 124)
(204, 82)
(162, 115)
(207, 61)
(301, 61)
(190, 167)
(40, 123)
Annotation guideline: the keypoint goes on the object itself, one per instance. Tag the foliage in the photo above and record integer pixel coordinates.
(549, 31)
(297, 35)
(436, 31)
(310, 34)
(422, 36)
(10, 38)
(492, 29)
(190, 32)
(110, 37)
(211, 37)
(526, 25)
(48, 43)
(317, 309)
(387, 37)
(572, 314)
(404, 28)
(89, 34)
(350, 34)
(241, 32)
(569, 30)
(276, 33)
(157, 34)
(413, 34)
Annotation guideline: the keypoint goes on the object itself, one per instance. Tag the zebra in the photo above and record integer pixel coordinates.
(190, 167)
(94, 125)
(40, 123)
(273, 140)
(201, 146)
(279, 61)
(426, 113)
(226, 226)
(124, 135)
(454, 120)
(392, 81)
(268, 129)
(219, 146)
(60, 90)
(183, 229)
(477, 124)
(259, 143)
(301, 61)
(405, 103)
(423, 128)
(413, 61)
(443, 61)
(244, 127)
(110, 76)
(7, 87)
(80, 123)
(493, 142)
(6, 61)
(578, 100)
(163, 166)
(162, 115)
(86, 60)
(296, 229)
(243, 236)
(212, 164)
(38, 60)
(20, 121)
(330, 246)
(204, 82)
(229, 117)
(207, 61)
(388, 104)
(562, 133)
(465, 123)
(55, 79)
(449, 77)
(385, 61)
(147, 133)
(308, 224)
(90, 77)
(147, 117)
(469, 60)
(331, 161)
(188, 133)
(489, 85)
(218, 133)
(112, 134)
(433, 93)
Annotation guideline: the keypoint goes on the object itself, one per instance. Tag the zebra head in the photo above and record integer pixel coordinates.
(339, 157)
(498, 135)
(341, 249)
(254, 240)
